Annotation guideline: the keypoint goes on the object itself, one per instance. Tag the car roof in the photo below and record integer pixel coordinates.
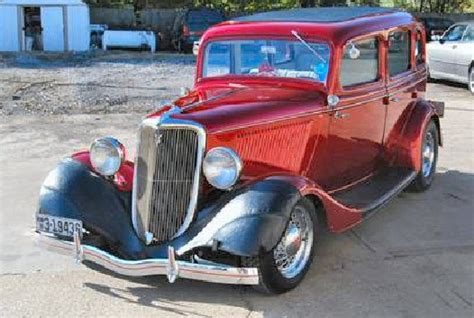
(470, 22)
(317, 15)
(335, 24)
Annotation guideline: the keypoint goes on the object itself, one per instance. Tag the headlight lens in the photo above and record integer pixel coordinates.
(222, 167)
(107, 155)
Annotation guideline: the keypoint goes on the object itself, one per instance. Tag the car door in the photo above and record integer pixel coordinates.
(406, 73)
(465, 53)
(445, 58)
(357, 121)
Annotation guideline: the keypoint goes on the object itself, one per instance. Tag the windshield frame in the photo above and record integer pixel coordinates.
(276, 37)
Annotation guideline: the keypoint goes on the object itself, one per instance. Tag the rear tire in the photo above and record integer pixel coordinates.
(284, 267)
(429, 159)
(470, 80)
(429, 79)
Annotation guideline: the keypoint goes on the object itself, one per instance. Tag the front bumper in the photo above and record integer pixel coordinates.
(172, 268)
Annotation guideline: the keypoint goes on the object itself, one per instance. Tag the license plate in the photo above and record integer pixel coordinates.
(56, 225)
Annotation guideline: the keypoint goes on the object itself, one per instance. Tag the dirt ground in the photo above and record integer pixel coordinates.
(116, 82)
(414, 258)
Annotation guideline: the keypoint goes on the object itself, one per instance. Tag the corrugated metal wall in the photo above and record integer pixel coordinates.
(9, 31)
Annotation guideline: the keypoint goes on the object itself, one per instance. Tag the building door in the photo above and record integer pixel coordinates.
(31, 29)
(52, 22)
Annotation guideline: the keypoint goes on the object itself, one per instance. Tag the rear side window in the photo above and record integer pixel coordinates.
(360, 63)
(399, 53)
(419, 49)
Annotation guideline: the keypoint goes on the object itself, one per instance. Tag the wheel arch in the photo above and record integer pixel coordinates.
(319, 208)
(331, 214)
(407, 149)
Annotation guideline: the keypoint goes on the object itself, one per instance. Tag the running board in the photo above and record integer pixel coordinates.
(377, 191)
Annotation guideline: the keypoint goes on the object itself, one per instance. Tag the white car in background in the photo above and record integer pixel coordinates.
(452, 57)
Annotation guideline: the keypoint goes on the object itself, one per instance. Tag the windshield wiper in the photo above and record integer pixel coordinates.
(309, 47)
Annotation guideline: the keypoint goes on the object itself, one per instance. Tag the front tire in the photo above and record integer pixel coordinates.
(429, 159)
(284, 267)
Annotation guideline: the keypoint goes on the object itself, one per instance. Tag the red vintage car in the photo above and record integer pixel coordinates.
(298, 119)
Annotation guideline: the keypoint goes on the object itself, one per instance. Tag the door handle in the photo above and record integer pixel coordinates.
(395, 99)
(341, 115)
(454, 46)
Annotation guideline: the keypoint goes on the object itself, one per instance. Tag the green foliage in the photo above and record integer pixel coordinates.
(436, 6)
(249, 6)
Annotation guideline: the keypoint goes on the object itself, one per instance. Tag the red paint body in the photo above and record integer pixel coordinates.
(283, 128)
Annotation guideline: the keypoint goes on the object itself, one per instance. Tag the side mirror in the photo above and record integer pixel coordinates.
(183, 91)
(441, 41)
(196, 45)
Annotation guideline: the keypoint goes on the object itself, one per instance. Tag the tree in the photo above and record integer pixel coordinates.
(308, 3)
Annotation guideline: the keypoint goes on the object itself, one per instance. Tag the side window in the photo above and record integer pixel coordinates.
(399, 53)
(455, 33)
(469, 34)
(360, 63)
(419, 49)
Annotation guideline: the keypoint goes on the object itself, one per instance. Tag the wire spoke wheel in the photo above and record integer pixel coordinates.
(428, 154)
(294, 249)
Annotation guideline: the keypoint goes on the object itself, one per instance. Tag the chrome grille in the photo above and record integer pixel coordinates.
(166, 180)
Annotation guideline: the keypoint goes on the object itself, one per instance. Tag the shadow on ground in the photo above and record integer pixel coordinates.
(368, 262)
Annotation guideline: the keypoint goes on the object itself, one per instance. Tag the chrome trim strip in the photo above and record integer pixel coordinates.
(168, 122)
(216, 273)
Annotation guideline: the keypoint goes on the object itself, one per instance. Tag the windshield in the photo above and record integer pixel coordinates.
(269, 58)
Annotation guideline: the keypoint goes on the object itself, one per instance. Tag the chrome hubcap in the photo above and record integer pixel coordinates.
(428, 155)
(294, 249)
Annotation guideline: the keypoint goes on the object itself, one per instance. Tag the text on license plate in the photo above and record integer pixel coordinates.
(57, 225)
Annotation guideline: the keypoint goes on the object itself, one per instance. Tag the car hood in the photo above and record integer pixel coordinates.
(232, 107)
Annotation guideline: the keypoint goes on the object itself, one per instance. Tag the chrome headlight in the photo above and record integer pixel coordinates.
(107, 155)
(222, 167)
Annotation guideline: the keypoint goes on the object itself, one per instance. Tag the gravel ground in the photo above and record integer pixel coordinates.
(95, 83)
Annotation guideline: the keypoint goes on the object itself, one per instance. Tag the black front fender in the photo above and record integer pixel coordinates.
(247, 220)
(72, 190)
(242, 222)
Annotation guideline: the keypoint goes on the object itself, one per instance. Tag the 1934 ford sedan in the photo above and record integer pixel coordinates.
(298, 119)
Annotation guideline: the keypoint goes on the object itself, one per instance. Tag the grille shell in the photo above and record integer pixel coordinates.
(167, 178)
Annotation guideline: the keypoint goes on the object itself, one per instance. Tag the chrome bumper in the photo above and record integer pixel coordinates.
(172, 268)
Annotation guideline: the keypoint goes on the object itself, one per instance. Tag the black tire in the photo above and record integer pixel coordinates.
(271, 280)
(470, 79)
(424, 179)
(429, 79)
